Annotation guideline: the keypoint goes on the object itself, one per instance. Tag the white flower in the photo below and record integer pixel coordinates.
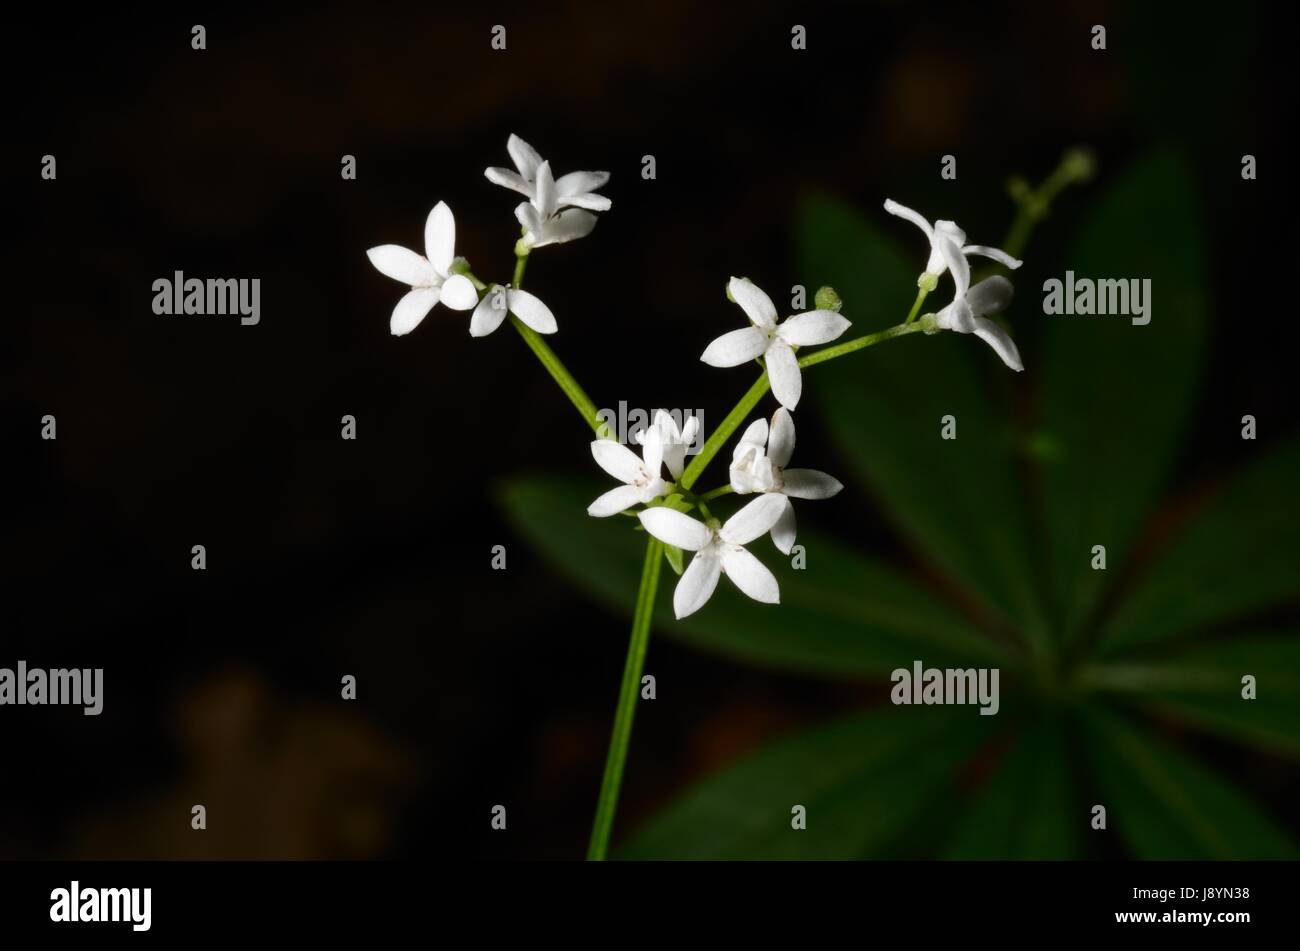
(966, 314)
(498, 299)
(574, 190)
(673, 442)
(947, 241)
(774, 342)
(719, 549)
(429, 276)
(758, 465)
(544, 223)
(640, 476)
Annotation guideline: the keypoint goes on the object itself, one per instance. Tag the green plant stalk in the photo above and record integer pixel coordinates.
(616, 759)
(921, 295)
(554, 366)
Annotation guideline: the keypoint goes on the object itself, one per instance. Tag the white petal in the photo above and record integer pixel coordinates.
(780, 440)
(402, 264)
(1001, 257)
(997, 338)
(757, 306)
(783, 374)
(755, 519)
(586, 200)
(956, 262)
(956, 316)
(527, 216)
(750, 575)
(509, 179)
(569, 225)
(783, 532)
(810, 484)
(734, 348)
(440, 238)
(458, 292)
(676, 528)
(528, 308)
(618, 460)
(411, 309)
(546, 197)
(524, 156)
(950, 231)
(755, 435)
(816, 326)
(689, 430)
(579, 183)
(697, 583)
(489, 313)
(652, 450)
(616, 500)
(902, 211)
(990, 295)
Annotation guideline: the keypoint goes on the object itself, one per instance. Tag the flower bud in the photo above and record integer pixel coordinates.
(827, 299)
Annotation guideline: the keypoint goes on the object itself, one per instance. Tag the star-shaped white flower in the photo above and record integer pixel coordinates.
(574, 190)
(640, 477)
(545, 219)
(966, 314)
(758, 465)
(946, 233)
(498, 300)
(719, 549)
(673, 441)
(773, 341)
(429, 275)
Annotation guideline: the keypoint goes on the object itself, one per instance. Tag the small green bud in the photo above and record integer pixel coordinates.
(827, 299)
(1018, 188)
(927, 282)
(459, 265)
(523, 247)
(1080, 164)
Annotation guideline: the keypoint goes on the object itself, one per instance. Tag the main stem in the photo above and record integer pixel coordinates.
(621, 737)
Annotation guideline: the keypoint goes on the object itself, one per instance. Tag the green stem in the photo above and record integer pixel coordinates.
(714, 493)
(628, 693)
(869, 340)
(921, 294)
(521, 262)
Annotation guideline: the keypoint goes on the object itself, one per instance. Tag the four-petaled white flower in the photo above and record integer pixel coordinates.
(640, 476)
(429, 275)
(773, 341)
(673, 441)
(574, 190)
(945, 237)
(719, 549)
(966, 313)
(759, 462)
(546, 220)
(499, 299)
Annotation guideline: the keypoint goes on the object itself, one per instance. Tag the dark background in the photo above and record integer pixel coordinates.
(372, 557)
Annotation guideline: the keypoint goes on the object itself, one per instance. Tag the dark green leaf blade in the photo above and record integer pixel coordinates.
(1202, 685)
(1237, 556)
(1116, 396)
(863, 780)
(958, 501)
(1165, 805)
(843, 616)
(1027, 809)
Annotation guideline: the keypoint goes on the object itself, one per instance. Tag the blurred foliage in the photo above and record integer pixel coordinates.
(1087, 657)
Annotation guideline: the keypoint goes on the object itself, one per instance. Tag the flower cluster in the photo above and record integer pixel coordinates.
(656, 482)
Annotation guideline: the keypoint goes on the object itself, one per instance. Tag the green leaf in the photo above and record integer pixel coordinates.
(1202, 685)
(958, 501)
(862, 781)
(673, 555)
(1238, 556)
(844, 616)
(1027, 809)
(1117, 396)
(1165, 805)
